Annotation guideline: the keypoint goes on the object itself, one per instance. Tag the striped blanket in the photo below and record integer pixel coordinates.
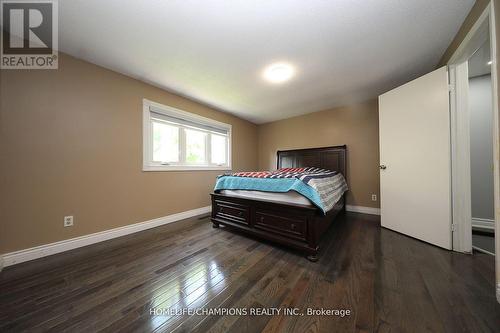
(324, 188)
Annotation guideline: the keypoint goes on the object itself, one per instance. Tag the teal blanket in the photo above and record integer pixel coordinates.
(269, 185)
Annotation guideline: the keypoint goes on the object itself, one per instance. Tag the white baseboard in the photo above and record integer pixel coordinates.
(17, 257)
(498, 292)
(483, 223)
(362, 209)
(1, 262)
(482, 250)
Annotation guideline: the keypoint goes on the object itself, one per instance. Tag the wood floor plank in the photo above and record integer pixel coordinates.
(164, 284)
(241, 281)
(268, 292)
(388, 282)
(59, 307)
(150, 292)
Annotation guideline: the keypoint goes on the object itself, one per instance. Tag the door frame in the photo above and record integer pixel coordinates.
(460, 158)
(462, 217)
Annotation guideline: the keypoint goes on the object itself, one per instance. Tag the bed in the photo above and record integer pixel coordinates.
(285, 218)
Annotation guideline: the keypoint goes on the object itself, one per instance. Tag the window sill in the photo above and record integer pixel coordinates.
(183, 168)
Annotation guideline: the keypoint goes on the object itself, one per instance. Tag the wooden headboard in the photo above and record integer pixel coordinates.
(331, 158)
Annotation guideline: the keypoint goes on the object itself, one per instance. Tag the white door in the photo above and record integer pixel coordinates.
(415, 174)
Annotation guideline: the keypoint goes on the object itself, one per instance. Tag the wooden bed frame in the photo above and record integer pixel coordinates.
(294, 225)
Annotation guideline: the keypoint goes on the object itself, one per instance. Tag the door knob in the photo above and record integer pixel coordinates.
(382, 167)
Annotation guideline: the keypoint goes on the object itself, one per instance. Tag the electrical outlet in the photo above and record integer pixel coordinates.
(68, 221)
(374, 197)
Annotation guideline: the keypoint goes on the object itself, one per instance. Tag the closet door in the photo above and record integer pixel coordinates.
(415, 170)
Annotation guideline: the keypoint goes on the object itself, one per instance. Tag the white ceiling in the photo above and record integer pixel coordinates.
(214, 51)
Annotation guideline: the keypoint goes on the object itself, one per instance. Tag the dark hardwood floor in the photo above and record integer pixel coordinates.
(389, 282)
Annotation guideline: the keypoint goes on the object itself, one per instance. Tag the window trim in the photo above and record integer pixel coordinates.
(170, 111)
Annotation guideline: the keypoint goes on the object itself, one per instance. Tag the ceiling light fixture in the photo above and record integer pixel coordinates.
(279, 72)
(489, 62)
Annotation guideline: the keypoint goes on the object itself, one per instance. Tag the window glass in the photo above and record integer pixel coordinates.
(165, 142)
(218, 149)
(195, 146)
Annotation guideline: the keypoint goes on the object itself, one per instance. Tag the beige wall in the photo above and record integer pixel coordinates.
(356, 126)
(71, 144)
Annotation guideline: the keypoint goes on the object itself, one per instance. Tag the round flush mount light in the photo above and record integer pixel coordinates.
(279, 72)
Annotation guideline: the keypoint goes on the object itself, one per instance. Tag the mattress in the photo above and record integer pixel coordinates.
(323, 188)
(290, 197)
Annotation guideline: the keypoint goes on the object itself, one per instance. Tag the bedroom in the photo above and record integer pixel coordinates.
(112, 149)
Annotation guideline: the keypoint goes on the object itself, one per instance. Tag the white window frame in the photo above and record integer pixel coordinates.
(149, 165)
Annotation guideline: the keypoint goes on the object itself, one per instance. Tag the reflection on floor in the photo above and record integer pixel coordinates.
(387, 281)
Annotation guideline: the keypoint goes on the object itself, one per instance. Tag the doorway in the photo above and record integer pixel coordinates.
(475, 141)
(481, 149)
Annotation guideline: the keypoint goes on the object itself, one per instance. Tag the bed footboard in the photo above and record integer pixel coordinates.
(296, 226)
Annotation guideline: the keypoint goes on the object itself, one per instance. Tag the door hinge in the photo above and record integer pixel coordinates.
(451, 87)
(453, 227)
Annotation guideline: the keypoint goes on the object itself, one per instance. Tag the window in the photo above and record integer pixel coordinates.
(178, 140)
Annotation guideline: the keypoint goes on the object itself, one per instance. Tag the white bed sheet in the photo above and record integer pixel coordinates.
(286, 197)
